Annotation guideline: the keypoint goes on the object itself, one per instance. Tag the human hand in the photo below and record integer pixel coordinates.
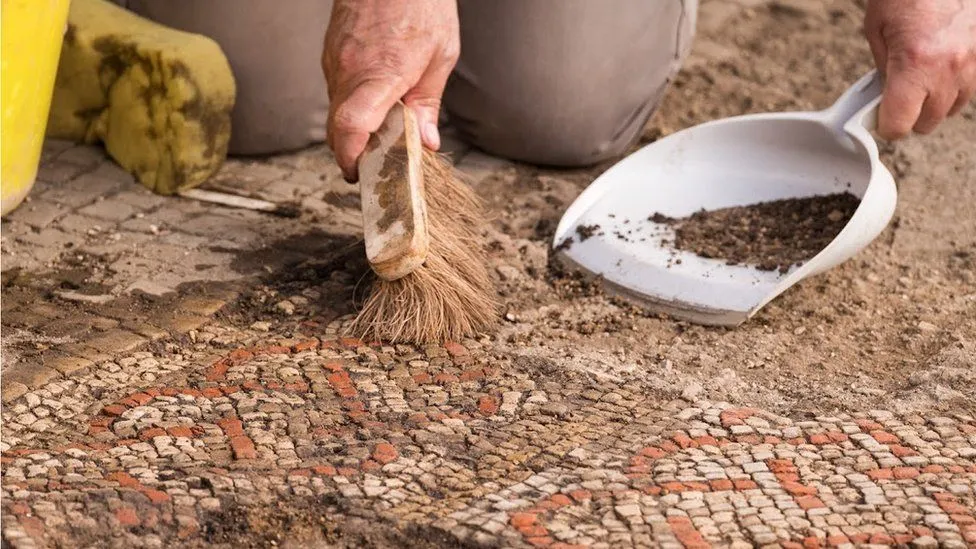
(927, 51)
(378, 52)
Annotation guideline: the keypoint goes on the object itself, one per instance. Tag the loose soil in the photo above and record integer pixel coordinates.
(894, 326)
(586, 231)
(314, 523)
(771, 235)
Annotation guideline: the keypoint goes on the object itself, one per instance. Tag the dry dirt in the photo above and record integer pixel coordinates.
(895, 326)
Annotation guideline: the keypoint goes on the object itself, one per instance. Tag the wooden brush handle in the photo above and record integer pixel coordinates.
(392, 191)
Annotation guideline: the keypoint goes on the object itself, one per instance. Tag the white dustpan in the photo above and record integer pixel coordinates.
(733, 162)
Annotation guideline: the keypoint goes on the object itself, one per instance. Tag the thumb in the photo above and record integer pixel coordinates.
(425, 100)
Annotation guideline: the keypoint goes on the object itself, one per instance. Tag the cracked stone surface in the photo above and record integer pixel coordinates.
(177, 373)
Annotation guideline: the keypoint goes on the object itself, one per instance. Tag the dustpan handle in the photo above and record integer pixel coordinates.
(865, 93)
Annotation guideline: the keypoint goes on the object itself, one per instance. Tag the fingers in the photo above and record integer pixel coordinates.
(967, 89)
(425, 100)
(904, 95)
(925, 48)
(935, 109)
(873, 33)
(965, 96)
(357, 114)
(918, 98)
(378, 52)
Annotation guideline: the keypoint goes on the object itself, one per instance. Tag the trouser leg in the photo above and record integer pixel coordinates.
(274, 50)
(559, 82)
(564, 82)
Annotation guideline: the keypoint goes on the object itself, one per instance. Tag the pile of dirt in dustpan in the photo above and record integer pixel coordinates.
(772, 236)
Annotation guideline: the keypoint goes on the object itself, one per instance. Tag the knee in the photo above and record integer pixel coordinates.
(281, 101)
(565, 132)
(265, 123)
(553, 141)
(566, 83)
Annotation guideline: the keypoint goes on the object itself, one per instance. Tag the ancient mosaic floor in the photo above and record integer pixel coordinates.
(152, 450)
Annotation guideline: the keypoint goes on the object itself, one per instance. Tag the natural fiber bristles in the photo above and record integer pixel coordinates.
(452, 295)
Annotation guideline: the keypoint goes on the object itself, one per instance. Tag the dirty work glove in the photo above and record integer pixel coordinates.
(927, 51)
(378, 52)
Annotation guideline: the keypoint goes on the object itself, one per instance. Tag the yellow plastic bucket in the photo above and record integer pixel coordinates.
(32, 34)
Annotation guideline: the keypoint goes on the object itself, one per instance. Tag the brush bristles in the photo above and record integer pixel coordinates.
(452, 295)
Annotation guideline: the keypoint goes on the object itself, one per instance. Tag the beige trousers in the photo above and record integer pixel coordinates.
(553, 82)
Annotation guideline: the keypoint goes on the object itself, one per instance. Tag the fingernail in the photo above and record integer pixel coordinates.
(432, 136)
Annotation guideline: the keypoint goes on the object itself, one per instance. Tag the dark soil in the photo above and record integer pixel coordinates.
(586, 231)
(313, 523)
(325, 268)
(769, 235)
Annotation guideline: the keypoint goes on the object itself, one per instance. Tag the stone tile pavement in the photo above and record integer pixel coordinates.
(92, 254)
